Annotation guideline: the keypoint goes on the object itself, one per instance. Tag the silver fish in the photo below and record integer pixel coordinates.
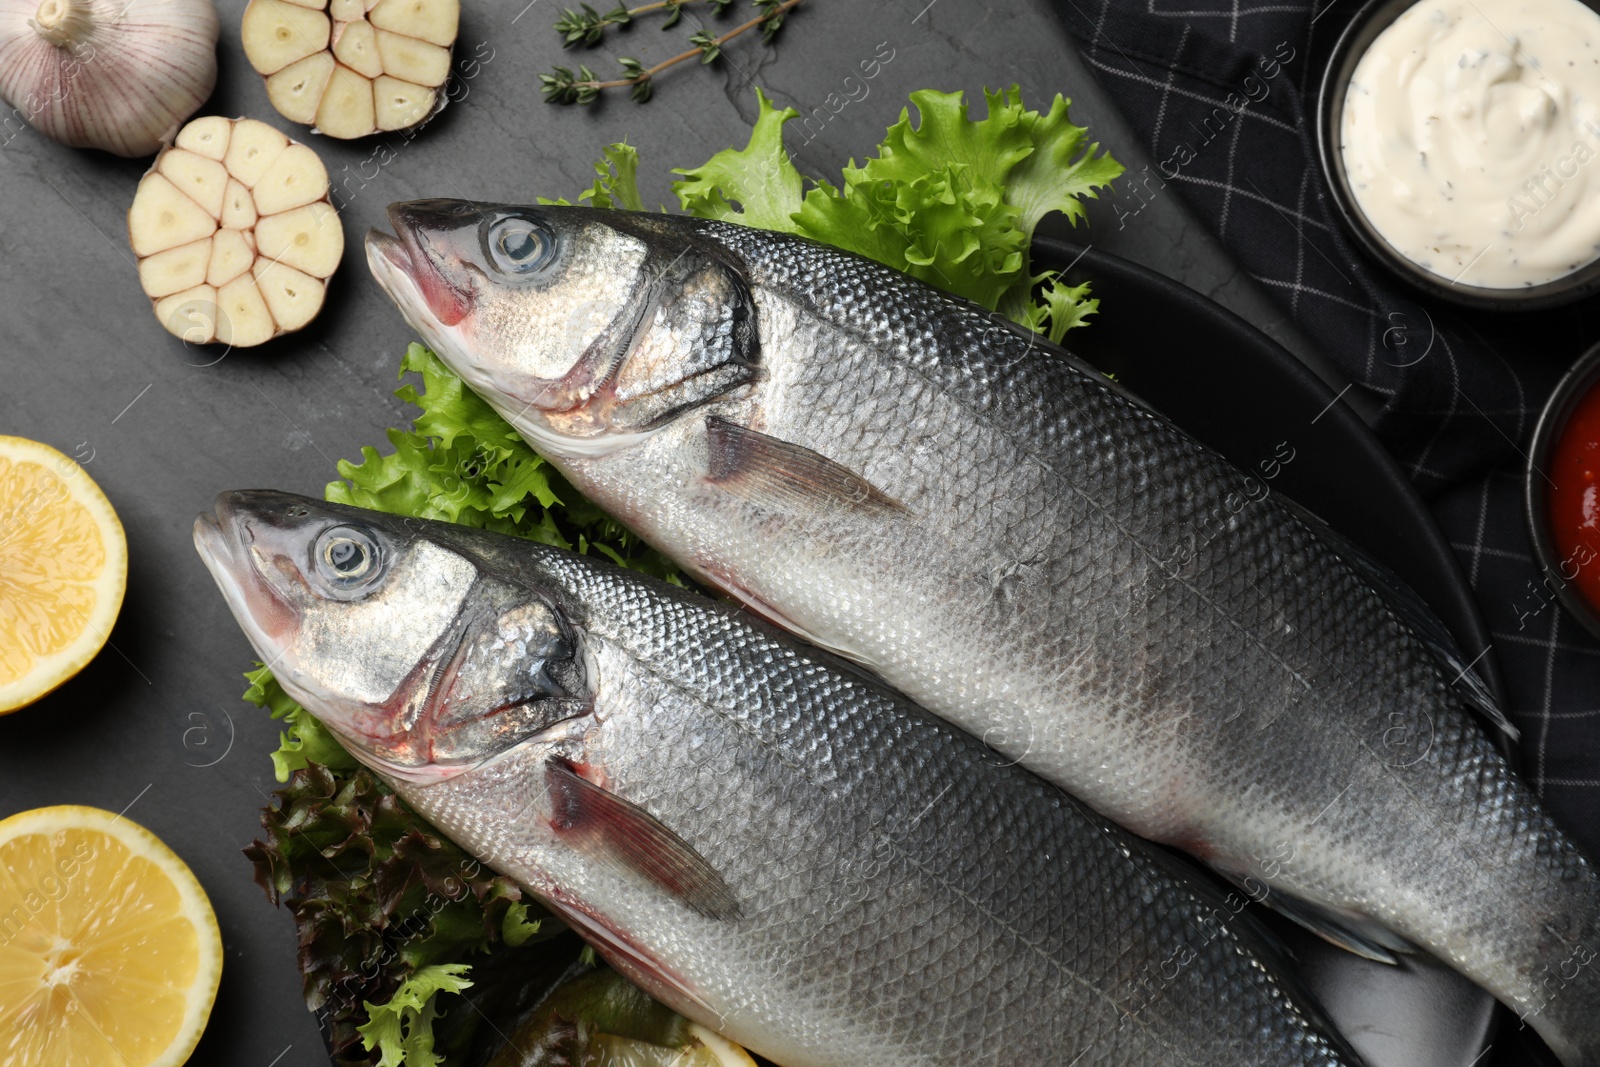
(771, 844)
(1027, 550)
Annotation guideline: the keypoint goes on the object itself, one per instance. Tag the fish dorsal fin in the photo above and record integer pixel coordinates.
(625, 837)
(1415, 613)
(787, 477)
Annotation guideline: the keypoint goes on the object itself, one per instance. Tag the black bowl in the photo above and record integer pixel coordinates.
(1584, 375)
(1374, 17)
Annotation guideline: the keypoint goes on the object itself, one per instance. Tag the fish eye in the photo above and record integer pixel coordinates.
(347, 557)
(520, 246)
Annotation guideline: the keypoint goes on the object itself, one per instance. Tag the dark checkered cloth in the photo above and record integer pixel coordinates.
(1223, 96)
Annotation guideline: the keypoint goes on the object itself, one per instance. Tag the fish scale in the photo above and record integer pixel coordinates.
(1070, 578)
(905, 897)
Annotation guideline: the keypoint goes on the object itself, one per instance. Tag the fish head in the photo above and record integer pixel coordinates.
(424, 656)
(586, 328)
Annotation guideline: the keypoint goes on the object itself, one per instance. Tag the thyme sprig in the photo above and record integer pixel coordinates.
(586, 26)
(583, 86)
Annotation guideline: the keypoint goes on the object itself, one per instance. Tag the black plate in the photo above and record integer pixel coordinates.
(1238, 391)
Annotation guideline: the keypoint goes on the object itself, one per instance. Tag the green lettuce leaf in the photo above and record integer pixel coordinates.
(305, 741)
(616, 181)
(760, 178)
(401, 1029)
(516, 929)
(949, 199)
(964, 196)
(1059, 307)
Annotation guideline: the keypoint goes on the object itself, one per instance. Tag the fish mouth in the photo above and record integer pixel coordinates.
(385, 252)
(209, 540)
(410, 255)
(222, 538)
(394, 266)
(405, 270)
(216, 540)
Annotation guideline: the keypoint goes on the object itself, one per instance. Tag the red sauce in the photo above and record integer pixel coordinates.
(1574, 507)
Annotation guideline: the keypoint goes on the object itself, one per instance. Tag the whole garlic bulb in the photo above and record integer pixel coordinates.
(120, 75)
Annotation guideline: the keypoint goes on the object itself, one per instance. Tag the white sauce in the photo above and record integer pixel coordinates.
(1471, 138)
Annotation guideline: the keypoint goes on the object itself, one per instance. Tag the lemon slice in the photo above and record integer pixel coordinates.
(109, 951)
(705, 1049)
(63, 570)
(713, 1050)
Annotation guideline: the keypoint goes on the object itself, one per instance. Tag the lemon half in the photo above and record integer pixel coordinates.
(109, 950)
(63, 570)
(706, 1048)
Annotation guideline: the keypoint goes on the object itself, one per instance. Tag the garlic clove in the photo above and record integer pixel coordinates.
(307, 238)
(162, 217)
(400, 104)
(242, 316)
(204, 180)
(356, 45)
(346, 110)
(435, 21)
(293, 297)
(277, 33)
(347, 10)
(297, 89)
(412, 60)
(231, 256)
(255, 146)
(206, 137)
(297, 178)
(190, 315)
(238, 206)
(316, 4)
(176, 269)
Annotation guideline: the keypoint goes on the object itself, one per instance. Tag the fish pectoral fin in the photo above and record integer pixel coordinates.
(625, 837)
(635, 964)
(1349, 930)
(854, 661)
(787, 477)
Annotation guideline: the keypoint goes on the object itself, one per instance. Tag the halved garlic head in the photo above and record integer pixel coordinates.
(352, 67)
(234, 233)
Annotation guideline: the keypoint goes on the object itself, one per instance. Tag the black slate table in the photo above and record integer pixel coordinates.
(155, 725)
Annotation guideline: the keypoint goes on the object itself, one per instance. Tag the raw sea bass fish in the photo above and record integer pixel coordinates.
(771, 845)
(1028, 551)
